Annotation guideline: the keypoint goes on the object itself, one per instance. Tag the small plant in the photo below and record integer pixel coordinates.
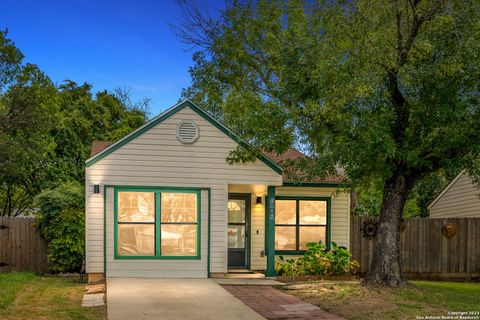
(61, 222)
(318, 260)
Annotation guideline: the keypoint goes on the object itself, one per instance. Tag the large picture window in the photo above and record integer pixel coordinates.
(157, 223)
(299, 221)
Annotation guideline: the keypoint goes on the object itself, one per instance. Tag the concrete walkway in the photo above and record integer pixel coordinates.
(170, 299)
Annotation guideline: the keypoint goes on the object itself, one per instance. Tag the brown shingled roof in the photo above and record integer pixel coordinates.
(290, 154)
(99, 146)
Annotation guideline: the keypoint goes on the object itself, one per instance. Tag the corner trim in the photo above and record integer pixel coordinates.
(270, 231)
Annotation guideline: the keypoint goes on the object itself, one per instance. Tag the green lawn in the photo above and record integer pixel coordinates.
(26, 296)
(424, 298)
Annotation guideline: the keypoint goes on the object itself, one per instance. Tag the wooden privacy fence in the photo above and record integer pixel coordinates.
(22, 248)
(429, 247)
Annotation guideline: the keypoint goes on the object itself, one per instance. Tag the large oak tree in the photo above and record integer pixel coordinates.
(388, 90)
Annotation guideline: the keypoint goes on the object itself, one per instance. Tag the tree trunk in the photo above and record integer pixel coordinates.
(386, 268)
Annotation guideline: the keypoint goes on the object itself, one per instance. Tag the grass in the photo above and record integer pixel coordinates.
(26, 296)
(351, 300)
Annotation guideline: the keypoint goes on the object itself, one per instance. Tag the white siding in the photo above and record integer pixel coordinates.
(461, 200)
(156, 158)
(257, 262)
(156, 268)
(339, 215)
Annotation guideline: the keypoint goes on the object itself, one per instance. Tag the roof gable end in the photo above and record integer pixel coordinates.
(167, 114)
(450, 185)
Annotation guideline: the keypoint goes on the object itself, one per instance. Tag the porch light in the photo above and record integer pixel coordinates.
(96, 188)
(259, 200)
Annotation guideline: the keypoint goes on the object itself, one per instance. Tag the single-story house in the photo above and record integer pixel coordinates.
(163, 202)
(459, 199)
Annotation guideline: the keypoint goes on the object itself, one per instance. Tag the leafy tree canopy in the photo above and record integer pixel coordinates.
(46, 131)
(389, 90)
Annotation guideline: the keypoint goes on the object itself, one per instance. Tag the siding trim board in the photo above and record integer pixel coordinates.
(167, 114)
(270, 231)
(315, 184)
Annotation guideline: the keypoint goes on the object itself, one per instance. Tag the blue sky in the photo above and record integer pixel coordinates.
(110, 44)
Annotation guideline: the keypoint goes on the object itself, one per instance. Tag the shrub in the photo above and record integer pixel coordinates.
(61, 221)
(318, 260)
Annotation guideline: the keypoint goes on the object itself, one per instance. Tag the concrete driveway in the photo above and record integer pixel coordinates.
(158, 298)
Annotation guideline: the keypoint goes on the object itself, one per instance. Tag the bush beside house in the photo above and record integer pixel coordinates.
(318, 260)
(61, 221)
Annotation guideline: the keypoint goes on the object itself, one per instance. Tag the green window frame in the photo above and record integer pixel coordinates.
(157, 222)
(298, 225)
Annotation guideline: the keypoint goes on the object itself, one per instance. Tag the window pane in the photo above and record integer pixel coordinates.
(136, 239)
(136, 206)
(179, 240)
(311, 234)
(285, 238)
(236, 211)
(236, 236)
(285, 211)
(313, 212)
(179, 207)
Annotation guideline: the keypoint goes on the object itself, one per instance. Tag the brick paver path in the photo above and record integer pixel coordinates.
(275, 304)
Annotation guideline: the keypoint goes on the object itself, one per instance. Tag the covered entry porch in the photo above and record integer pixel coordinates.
(248, 230)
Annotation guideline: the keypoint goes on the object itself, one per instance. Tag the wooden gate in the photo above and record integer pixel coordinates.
(426, 249)
(22, 248)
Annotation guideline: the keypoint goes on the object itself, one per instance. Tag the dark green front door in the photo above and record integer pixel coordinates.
(238, 228)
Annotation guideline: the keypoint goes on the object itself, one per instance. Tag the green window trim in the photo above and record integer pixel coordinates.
(157, 191)
(328, 200)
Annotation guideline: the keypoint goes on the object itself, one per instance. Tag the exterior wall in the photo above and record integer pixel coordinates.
(258, 261)
(340, 217)
(340, 212)
(156, 158)
(460, 200)
(155, 268)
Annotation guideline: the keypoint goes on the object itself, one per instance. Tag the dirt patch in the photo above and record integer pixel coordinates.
(351, 300)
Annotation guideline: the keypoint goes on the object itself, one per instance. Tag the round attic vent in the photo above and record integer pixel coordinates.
(187, 131)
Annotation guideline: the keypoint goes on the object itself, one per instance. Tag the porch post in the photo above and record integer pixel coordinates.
(270, 231)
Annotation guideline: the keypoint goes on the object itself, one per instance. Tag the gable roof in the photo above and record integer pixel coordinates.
(292, 154)
(440, 195)
(98, 146)
(111, 147)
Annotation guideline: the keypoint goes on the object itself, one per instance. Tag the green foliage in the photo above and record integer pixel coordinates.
(386, 90)
(317, 260)
(46, 132)
(28, 112)
(382, 89)
(61, 221)
(84, 118)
